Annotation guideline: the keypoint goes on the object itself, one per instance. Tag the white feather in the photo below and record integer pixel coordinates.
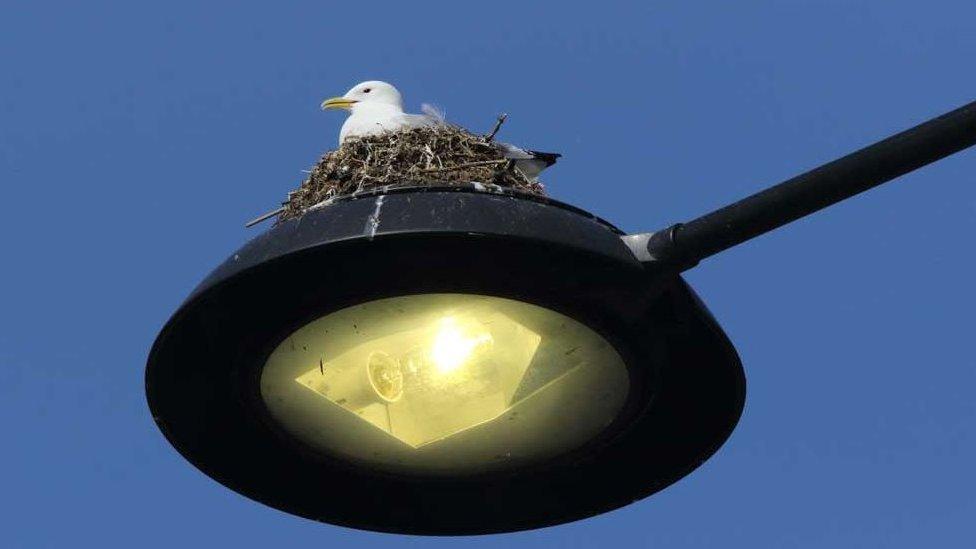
(434, 112)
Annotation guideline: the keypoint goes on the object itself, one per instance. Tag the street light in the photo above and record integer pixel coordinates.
(466, 360)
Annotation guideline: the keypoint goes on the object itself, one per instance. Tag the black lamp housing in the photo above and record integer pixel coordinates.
(686, 382)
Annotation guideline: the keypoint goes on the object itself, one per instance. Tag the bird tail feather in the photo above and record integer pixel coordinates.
(548, 158)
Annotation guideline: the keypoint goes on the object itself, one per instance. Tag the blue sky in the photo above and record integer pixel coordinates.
(136, 138)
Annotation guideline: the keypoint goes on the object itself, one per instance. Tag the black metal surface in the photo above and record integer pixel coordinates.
(685, 244)
(201, 380)
(467, 209)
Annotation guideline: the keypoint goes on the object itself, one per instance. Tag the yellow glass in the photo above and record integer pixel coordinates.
(444, 383)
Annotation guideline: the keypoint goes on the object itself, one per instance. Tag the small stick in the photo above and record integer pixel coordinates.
(466, 165)
(268, 215)
(498, 126)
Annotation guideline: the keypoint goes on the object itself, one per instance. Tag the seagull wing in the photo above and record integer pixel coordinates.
(531, 163)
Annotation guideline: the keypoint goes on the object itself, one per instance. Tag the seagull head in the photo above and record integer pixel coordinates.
(367, 94)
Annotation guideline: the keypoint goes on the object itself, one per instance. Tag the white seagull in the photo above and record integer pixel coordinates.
(376, 107)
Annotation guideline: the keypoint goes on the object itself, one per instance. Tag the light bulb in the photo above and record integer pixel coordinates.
(385, 376)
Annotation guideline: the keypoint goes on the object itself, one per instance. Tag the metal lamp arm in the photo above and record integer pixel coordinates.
(683, 245)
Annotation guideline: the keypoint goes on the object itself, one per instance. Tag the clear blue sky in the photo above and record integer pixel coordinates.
(137, 137)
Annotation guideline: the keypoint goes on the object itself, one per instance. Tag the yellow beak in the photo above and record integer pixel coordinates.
(338, 103)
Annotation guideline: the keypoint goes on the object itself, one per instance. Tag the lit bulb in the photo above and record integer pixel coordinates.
(451, 348)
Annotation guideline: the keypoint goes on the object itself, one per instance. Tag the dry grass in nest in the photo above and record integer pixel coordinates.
(441, 155)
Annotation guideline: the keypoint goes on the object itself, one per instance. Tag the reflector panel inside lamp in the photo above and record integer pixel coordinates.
(444, 383)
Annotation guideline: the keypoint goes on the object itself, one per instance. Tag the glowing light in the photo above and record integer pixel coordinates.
(431, 380)
(444, 382)
(451, 348)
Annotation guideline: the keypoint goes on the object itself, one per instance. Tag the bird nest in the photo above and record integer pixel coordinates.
(434, 156)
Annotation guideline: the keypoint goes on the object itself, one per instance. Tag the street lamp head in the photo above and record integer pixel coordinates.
(468, 360)
(444, 361)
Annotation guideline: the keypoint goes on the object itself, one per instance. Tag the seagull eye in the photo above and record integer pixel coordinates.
(366, 90)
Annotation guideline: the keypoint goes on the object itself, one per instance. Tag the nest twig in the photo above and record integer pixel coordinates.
(440, 155)
(498, 125)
